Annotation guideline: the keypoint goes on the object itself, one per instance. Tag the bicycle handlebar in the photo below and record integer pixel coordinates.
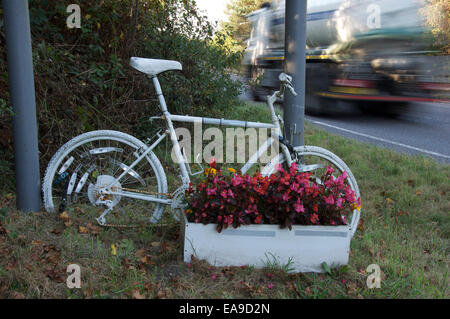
(286, 82)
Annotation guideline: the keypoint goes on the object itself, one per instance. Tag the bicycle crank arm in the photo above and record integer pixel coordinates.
(140, 196)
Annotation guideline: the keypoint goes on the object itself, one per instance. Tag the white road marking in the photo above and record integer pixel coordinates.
(380, 139)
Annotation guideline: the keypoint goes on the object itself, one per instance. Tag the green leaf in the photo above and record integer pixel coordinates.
(326, 268)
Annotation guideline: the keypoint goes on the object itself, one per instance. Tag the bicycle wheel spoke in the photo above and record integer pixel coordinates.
(93, 164)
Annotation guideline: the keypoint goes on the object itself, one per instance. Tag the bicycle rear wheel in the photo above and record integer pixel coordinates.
(316, 159)
(93, 160)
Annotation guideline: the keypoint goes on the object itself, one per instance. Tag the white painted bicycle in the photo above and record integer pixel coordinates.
(113, 170)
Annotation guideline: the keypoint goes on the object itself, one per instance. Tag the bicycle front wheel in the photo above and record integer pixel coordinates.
(90, 161)
(316, 159)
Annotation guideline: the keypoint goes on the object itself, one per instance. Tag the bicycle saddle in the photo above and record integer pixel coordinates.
(153, 67)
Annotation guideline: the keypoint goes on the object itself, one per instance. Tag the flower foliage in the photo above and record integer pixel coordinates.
(287, 197)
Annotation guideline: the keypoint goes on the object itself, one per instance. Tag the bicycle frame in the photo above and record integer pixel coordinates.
(182, 163)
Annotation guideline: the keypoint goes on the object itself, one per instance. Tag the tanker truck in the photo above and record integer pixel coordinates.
(365, 53)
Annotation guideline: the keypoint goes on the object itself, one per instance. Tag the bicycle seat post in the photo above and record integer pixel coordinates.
(171, 130)
(162, 101)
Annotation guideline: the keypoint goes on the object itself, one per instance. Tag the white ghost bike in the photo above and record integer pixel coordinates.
(113, 170)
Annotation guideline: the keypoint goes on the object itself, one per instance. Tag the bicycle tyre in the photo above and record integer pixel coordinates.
(80, 150)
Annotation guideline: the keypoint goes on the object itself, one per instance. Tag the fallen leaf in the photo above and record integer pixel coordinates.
(155, 244)
(29, 267)
(93, 229)
(52, 257)
(351, 288)
(147, 260)
(137, 295)
(161, 294)
(3, 230)
(308, 291)
(55, 275)
(11, 265)
(57, 231)
(64, 216)
(113, 250)
(166, 247)
(141, 252)
(82, 230)
(79, 210)
(418, 192)
(17, 295)
(68, 223)
(361, 226)
(88, 292)
(389, 201)
(148, 286)
(294, 289)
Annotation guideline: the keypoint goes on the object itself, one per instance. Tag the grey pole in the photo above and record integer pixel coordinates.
(294, 52)
(21, 84)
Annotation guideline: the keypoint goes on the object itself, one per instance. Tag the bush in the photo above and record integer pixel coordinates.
(82, 78)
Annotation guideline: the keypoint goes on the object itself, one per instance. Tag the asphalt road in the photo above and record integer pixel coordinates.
(425, 129)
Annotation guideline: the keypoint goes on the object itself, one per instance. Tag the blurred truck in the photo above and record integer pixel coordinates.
(366, 53)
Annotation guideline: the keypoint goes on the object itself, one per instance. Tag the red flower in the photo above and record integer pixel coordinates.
(212, 162)
(314, 218)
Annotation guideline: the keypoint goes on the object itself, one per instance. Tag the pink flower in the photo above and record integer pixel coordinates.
(213, 276)
(285, 196)
(270, 285)
(279, 168)
(339, 202)
(230, 193)
(329, 200)
(298, 207)
(293, 169)
(211, 191)
(330, 170)
(349, 194)
(237, 180)
(223, 193)
(341, 179)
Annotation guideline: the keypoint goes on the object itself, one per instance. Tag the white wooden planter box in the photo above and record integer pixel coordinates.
(304, 247)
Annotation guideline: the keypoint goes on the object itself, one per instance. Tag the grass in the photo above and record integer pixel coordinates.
(404, 229)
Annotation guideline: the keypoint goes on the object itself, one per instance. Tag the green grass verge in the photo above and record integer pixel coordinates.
(404, 229)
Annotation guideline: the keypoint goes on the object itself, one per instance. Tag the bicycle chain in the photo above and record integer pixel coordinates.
(169, 195)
